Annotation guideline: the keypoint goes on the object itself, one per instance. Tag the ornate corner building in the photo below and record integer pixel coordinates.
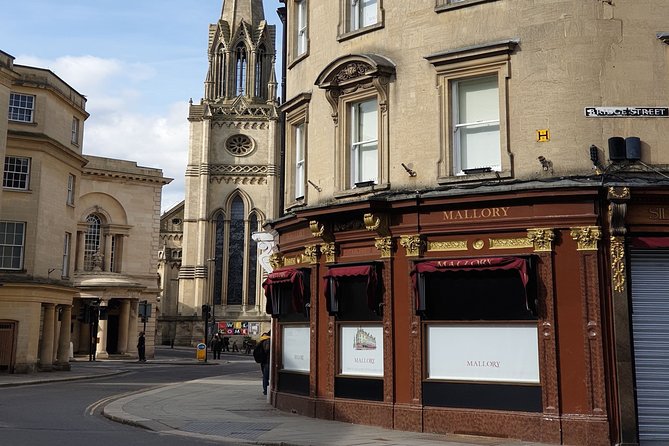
(476, 187)
(232, 181)
(78, 233)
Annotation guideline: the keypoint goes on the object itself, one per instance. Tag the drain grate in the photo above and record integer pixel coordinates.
(241, 430)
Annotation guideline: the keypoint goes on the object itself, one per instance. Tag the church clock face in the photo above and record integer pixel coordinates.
(239, 145)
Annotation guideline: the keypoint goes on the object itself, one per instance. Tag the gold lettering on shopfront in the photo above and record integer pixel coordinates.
(658, 214)
(475, 214)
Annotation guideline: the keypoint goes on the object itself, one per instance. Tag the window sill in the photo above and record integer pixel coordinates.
(295, 204)
(486, 176)
(10, 189)
(355, 33)
(297, 59)
(31, 123)
(354, 192)
(463, 4)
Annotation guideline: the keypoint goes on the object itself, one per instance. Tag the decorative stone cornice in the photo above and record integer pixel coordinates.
(542, 238)
(385, 245)
(586, 237)
(413, 244)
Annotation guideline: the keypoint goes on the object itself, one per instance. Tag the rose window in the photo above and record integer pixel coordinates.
(239, 145)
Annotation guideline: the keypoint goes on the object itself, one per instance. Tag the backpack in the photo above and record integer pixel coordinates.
(259, 353)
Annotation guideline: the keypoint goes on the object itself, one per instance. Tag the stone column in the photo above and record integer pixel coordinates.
(123, 324)
(101, 351)
(56, 335)
(63, 357)
(84, 337)
(132, 328)
(79, 266)
(46, 349)
(108, 251)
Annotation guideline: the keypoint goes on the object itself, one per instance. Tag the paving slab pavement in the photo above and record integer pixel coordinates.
(231, 410)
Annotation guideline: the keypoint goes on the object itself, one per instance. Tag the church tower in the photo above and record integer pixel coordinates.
(232, 182)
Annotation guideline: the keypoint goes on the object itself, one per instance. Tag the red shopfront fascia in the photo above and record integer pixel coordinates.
(649, 242)
(279, 282)
(518, 264)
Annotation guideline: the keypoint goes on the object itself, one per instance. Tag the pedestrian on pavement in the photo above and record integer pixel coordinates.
(226, 344)
(141, 347)
(261, 354)
(235, 348)
(217, 346)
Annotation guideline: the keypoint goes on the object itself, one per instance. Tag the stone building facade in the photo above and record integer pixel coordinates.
(475, 236)
(231, 179)
(78, 233)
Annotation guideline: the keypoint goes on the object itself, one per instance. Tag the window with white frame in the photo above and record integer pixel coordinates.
(21, 107)
(363, 13)
(12, 243)
(364, 141)
(357, 86)
(16, 173)
(70, 189)
(300, 27)
(296, 111)
(476, 139)
(67, 243)
(473, 111)
(300, 149)
(92, 248)
(75, 131)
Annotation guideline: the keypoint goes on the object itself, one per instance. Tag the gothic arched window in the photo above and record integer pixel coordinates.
(253, 261)
(241, 62)
(218, 255)
(92, 254)
(259, 72)
(236, 252)
(220, 72)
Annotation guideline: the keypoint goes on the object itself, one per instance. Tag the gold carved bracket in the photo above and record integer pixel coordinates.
(413, 244)
(542, 238)
(377, 223)
(385, 245)
(586, 237)
(319, 230)
(276, 260)
(311, 254)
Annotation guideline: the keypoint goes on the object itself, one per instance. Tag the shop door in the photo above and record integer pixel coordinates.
(650, 328)
(7, 346)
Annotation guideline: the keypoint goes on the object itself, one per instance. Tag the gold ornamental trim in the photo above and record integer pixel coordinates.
(412, 244)
(311, 254)
(385, 245)
(618, 263)
(541, 238)
(619, 193)
(586, 237)
(454, 245)
(510, 243)
(329, 251)
(372, 223)
(317, 229)
(276, 260)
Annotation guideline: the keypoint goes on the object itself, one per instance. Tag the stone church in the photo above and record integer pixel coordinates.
(231, 185)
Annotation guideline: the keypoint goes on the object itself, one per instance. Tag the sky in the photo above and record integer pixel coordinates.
(137, 62)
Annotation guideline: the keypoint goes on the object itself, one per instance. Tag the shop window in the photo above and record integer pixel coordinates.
(354, 296)
(357, 88)
(473, 111)
(288, 294)
(480, 333)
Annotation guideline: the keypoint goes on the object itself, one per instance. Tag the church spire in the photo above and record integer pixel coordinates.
(251, 11)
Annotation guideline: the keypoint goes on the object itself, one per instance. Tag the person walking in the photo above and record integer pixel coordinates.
(217, 346)
(261, 354)
(141, 347)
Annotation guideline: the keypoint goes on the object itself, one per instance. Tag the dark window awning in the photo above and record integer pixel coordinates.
(649, 242)
(518, 264)
(282, 281)
(333, 277)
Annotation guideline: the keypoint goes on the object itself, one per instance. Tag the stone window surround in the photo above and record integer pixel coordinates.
(297, 112)
(344, 32)
(469, 62)
(293, 56)
(350, 79)
(447, 5)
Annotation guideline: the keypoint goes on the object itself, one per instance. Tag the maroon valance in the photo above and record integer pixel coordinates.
(280, 281)
(477, 264)
(650, 242)
(334, 275)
